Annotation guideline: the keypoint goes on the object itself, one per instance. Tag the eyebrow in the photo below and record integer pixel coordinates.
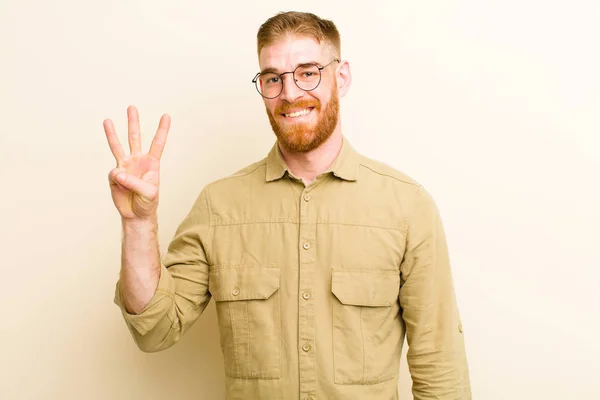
(274, 70)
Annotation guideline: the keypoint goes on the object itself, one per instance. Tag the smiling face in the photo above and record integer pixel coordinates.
(302, 120)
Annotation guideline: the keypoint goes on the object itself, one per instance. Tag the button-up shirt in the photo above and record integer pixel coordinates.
(315, 286)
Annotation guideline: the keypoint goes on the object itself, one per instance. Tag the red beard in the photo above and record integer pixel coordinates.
(302, 137)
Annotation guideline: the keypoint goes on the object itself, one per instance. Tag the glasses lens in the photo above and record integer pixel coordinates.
(269, 85)
(307, 77)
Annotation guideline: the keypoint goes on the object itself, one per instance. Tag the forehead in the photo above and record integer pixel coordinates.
(287, 53)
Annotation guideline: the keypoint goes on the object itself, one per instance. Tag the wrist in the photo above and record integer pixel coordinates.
(140, 224)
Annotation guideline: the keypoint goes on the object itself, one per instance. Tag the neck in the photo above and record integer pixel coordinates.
(307, 166)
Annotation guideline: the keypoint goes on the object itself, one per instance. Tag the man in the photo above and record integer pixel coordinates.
(319, 260)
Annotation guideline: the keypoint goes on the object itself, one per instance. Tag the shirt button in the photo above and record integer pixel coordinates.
(235, 291)
(306, 245)
(306, 295)
(306, 347)
(307, 197)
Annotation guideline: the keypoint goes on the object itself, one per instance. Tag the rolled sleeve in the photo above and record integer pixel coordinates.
(157, 307)
(436, 351)
(182, 291)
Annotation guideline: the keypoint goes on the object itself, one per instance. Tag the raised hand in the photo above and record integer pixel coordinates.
(134, 182)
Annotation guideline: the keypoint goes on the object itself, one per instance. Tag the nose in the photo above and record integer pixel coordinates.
(291, 92)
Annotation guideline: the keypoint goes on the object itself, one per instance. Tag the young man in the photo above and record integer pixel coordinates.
(319, 260)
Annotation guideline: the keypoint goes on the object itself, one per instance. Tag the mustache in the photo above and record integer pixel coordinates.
(286, 107)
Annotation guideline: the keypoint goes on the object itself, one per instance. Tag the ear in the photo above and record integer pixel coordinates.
(344, 77)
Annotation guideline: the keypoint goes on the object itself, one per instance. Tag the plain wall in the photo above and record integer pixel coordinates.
(492, 105)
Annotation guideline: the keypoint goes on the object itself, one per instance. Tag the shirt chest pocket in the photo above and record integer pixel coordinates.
(366, 326)
(248, 310)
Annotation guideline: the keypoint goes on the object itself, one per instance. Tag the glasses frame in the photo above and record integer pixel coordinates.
(255, 79)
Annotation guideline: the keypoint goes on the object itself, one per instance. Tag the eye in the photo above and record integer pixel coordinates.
(270, 79)
(307, 72)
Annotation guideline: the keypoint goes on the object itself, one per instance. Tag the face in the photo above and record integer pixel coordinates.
(302, 120)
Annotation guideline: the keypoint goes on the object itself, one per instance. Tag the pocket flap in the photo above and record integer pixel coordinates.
(230, 284)
(366, 288)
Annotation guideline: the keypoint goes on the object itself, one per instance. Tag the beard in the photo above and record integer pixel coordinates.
(304, 137)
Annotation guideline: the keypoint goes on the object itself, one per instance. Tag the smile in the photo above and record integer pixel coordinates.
(298, 113)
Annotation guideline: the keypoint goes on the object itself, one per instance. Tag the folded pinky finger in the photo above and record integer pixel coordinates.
(134, 183)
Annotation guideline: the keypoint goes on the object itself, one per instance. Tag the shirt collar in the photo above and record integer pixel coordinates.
(345, 165)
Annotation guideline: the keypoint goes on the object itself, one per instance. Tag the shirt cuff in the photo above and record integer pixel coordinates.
(156, 309)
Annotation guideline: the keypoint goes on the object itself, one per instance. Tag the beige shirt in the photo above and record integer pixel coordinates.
(315, 287)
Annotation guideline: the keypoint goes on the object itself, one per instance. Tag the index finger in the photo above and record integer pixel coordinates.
(113, 140)
(160, 139)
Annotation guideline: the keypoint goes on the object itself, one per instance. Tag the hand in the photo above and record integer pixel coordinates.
(134, 182)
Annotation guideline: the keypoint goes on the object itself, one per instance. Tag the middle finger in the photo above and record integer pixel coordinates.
(133, 125)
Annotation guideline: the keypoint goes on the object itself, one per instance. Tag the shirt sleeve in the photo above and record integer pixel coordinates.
(182, 291)
(436, 352)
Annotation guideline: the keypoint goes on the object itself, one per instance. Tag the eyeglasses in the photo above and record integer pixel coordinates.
(306, 76)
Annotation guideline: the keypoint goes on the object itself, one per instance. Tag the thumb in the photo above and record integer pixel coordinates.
(121, 177)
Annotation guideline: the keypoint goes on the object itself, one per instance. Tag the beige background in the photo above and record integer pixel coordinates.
(492, 105)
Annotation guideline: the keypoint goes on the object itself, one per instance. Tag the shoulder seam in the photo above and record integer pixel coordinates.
(390, 176)
(239, 174)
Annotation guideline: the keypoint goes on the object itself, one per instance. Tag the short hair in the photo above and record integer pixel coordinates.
(300, 24)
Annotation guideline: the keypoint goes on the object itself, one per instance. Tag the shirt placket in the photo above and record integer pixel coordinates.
(306, 305)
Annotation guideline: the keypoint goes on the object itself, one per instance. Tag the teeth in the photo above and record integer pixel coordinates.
(298, 113)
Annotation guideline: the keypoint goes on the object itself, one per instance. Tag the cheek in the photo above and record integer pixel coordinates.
(322, 96)
(270, 106)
